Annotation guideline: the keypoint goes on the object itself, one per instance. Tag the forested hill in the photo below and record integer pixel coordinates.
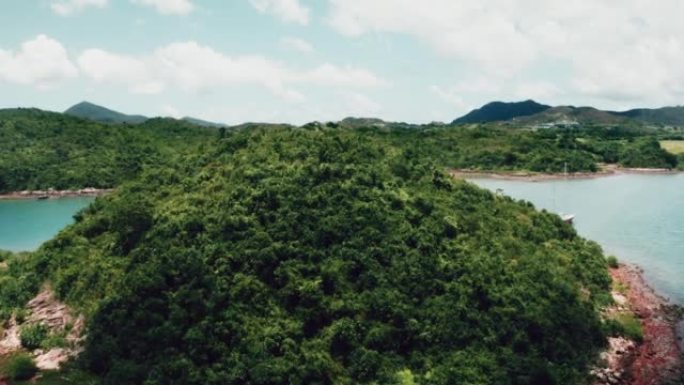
(40, 150)
(87, 110)
(531, 113)
(326, 256)
(498, 111)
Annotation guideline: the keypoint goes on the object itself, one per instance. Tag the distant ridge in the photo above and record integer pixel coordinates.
(500, 111)
(203, 123)
(570, 115)
(87, 110)
(530, 112)
(673, 116)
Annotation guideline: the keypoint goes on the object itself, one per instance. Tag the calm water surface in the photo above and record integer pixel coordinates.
(638, 218)
(26, 224)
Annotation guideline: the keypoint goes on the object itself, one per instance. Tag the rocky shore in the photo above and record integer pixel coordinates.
(528, 176)
(657, 359)
(51, 193)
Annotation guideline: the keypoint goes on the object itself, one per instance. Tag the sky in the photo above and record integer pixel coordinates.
(297, 61)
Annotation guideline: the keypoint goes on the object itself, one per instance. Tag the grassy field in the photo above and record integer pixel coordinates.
(674, 146)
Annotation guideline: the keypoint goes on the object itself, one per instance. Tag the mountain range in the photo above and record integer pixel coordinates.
(524, 113)
(530, 112)
(87, 110)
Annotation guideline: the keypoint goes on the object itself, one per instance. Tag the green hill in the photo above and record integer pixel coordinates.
(41, 150)
(101, 114)
(569, 116)
(204, 123)
(531, 113)
(500, 111)
(673, 116)
(294, 256)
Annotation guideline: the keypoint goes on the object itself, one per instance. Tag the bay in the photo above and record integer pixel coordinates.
(26, 224)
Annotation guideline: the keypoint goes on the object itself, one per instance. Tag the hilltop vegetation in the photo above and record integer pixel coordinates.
(493, 148)
(323, 256)
(41, 150)
(499, 111)
(531, 113)
(90, 111)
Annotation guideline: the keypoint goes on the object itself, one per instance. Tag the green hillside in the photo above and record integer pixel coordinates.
(41, 150)
(291, 256)
(101, 114)
(500, 111)
(666, 116)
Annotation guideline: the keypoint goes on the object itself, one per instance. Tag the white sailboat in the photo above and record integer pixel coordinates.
(567, 218)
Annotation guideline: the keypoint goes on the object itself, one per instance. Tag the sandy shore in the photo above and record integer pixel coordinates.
(658, 359)
(52, 194)
(606, 170)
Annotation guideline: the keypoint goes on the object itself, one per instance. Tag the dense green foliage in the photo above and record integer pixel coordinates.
(32, 336)
(321, 257)
(41, 150)
(492, 148)
(329, 254)
(18, 367)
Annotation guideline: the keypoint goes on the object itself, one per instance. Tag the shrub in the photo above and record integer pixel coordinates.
(20, 367)
(626, 325)
(32, 336)
(612, 262)
(631, 326)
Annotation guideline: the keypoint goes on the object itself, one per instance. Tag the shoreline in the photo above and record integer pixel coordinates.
(529, 176)
(658, 358)
(54, 194)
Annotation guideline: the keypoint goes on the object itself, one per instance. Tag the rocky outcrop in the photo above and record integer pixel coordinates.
(47, 310)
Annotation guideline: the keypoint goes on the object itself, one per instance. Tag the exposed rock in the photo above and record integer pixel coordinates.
(658, 358)
(45, 309)
(53, 358)
(10, 337)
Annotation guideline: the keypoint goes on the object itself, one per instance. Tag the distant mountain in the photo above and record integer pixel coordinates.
(532, 113)
(499, 111)
(204, 123)
(673, 116)
(569, 115)
(101, 114)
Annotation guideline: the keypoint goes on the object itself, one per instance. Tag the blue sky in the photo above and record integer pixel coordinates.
(302, 60)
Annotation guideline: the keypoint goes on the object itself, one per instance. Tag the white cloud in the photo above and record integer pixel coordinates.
(171, 111)
(331, 75)
(357, 104)
(168, 7)
(296, 44)
(290, 11)
(42, 62)
(104, 67)
(611, 51)
(70, 7)
(193, 67)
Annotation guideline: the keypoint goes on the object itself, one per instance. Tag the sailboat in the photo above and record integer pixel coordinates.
(567, 218)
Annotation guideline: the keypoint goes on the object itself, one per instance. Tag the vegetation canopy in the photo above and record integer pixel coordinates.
(321, 256)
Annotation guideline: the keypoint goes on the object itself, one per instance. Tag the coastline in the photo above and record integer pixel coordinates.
(54, 194)
(658, 358)
(529, 176)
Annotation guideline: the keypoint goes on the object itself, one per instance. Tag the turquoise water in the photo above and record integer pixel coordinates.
(26, 224)
(638, 218)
